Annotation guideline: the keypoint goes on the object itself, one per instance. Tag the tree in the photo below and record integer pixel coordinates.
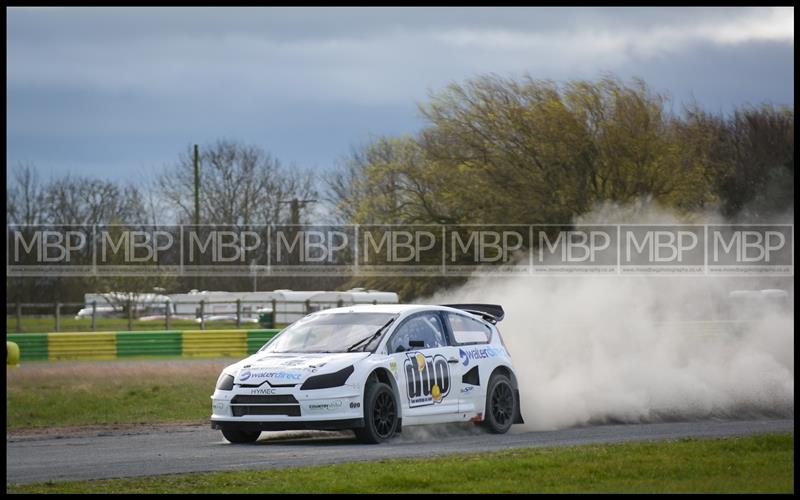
(527, 151)
(25, 196)
(758, 149)
(239, 184)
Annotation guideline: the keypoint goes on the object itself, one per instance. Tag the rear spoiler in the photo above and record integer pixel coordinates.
(490, 312)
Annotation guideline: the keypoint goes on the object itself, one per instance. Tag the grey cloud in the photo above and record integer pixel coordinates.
(320, 80)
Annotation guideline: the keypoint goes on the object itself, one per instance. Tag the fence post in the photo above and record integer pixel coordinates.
(58, 317)
(202, 315)
(168, 305)
(274, 313)
(339, 303)
(94, 314)
(130, 315)
(308, 306)
(19, 317)
(238, 313)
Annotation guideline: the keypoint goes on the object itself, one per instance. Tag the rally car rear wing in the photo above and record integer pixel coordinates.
(490, 312)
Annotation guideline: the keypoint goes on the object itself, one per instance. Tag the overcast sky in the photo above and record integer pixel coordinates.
(115, 92)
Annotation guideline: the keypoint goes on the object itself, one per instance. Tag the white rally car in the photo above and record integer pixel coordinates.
(373, 369)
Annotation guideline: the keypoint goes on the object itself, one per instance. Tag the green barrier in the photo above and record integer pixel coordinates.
(257, 338)
(12, 353)
(158, 343)
(32, 346)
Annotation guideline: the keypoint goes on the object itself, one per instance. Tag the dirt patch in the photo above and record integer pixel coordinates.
(97, 370)
(17, 435)
(34, 434)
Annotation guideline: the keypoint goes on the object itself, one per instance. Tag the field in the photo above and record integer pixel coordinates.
(755, 464)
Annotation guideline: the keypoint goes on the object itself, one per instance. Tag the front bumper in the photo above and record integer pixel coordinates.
(288, 425)
(287, 408)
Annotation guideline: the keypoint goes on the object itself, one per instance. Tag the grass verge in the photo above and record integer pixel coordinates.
(48, 394)
(751, 464)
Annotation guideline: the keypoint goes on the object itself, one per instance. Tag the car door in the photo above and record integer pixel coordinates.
(427, 367)
(471, 338)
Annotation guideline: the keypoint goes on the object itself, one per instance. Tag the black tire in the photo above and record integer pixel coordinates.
(237, 436)
(501, 405)
(380, 414)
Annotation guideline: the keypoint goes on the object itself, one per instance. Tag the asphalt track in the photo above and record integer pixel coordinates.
(175, 449)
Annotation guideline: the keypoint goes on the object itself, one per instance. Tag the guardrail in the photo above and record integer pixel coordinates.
(116, 345)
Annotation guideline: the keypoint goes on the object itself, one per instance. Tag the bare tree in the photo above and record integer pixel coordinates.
(25, 196)
(86, 201)
(239, 184)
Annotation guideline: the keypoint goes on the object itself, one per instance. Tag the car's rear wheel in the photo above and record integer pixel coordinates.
(500, 404)
(239, 436)
(381, 414)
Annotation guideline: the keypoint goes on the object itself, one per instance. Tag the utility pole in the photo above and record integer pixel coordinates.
(295, 205)
(196, 188)
(196, 202)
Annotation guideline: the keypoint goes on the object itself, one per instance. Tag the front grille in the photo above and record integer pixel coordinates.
(288, 410)
(272, 404)
(266, 399)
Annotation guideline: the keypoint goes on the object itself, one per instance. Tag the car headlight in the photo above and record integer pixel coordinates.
(334, 379)
(225, 382)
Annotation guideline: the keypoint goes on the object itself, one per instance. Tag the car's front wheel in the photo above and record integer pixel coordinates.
(500, 404)
(238, 436)
(380, 414)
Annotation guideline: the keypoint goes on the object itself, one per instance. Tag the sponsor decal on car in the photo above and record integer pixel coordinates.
(262, 390)
(330, 405)
(428, 379)
(467, 389)
(478, 353)
(248, 374)
(355, 405)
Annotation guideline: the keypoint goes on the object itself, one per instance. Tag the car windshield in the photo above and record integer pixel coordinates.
(331, 332)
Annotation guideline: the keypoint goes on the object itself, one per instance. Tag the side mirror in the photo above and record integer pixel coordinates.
(400, 349)
(416, 343)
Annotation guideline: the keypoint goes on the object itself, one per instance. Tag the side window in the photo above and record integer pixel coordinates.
(467, 330)
(425, 327)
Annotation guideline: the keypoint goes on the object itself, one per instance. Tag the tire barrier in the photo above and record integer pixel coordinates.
(114, 345)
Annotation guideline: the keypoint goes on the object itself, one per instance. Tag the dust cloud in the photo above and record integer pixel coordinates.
(616, 349)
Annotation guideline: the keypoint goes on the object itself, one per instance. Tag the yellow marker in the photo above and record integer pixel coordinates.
(436, 392)
(420, 362)
(12, 353)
